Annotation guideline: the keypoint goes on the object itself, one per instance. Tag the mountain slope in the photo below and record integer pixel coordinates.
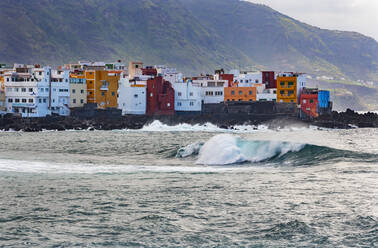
(192, 35)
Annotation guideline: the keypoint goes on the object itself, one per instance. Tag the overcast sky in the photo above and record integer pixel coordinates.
(348, 15)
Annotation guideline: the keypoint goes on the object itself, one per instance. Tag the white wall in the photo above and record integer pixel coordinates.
(187, 97)
(131, 100)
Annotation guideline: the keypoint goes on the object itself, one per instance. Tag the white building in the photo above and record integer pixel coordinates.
(132, 97)
(266, 95)
(59, 81)
(169, 74)
(26, 95)
(246, 78)
(187, 97)
(212, 91)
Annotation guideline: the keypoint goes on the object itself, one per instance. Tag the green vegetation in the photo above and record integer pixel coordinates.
(196, 36)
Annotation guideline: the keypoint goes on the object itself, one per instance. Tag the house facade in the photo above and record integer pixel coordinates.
(187, 97)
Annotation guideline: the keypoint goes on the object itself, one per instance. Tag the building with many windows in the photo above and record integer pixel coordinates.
(289, 86)
(212, 91)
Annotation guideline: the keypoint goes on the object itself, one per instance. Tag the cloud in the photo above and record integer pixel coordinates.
(349, 15)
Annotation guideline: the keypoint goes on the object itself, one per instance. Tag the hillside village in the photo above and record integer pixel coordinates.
(36, 91)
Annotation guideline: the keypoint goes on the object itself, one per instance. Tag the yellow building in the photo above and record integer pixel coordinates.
(289, 86)
(102, 87)
(78, 90)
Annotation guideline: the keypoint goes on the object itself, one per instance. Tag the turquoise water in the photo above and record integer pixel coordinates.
(246, 188)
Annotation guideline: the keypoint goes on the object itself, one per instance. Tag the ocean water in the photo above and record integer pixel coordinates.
(190, 186)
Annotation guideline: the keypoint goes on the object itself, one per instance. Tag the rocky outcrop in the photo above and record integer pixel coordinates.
(347, 119)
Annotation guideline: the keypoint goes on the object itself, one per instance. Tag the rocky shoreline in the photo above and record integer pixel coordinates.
(340, 120)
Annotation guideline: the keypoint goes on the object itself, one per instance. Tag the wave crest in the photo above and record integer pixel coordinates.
(225, 149)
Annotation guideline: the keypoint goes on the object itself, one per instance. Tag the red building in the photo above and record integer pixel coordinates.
(309, 102)
(160, 97)
(228, 77)
(268, 78)
(149, 71)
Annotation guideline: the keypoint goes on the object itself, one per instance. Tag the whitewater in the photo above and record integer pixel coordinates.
(190, 186)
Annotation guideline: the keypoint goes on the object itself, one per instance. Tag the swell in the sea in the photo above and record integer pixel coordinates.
(226, 149)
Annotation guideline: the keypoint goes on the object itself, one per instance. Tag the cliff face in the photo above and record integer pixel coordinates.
(192, 35)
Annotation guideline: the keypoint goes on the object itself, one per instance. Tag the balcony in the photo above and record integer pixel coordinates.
(23, 105)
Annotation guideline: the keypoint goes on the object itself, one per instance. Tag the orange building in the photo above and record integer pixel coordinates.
(102, 87)
(242, 94)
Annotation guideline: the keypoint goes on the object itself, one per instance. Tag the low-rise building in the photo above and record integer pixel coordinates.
(269, 79)
(132, 97)
(78, 90)
(59, 90)
(212, 91)
(267, 95)
(102, 87)
(187, 97)
(289, 86)
(26, 96)
(160, 97)
(240, 94)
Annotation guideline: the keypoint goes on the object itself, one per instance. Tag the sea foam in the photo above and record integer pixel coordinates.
(225, 149)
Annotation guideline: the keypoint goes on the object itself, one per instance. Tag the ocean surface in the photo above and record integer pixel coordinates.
(190, 186)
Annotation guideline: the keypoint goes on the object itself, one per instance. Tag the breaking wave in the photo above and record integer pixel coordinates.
(226, 149)
(157, 126)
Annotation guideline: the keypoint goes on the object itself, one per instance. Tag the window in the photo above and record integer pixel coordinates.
(233, 92)
(73, 91)
(191, 94)
(7, 79)
(81, 100)
(23, 89)
(282, 83)
(16, 89)
(46, 89)
(73, 100)
(113, 94)
(136, 96)
(44, 100)
(274, 91)
(179, 104)
(179, 93)
(282, 92)
(191, 103)
(82, 91)
(257, 81)
(53, 100)
(23, 100)
(40, 73)
(103, 93)
(250, 92)
(16, 100)
(31, 100)
(40, 100)
(311, 101)
(291, 83)
(291, 100)
(10, 100)
(30, 89)
(240, 93)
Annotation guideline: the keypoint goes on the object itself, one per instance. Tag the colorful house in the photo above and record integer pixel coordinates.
(240, 94)
(309, 102)
(269, 79)
(289, 86)
(102, 87)
(212, 91)
(160, 97)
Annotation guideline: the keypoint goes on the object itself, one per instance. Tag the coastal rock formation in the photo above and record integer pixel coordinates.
(347, 119)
